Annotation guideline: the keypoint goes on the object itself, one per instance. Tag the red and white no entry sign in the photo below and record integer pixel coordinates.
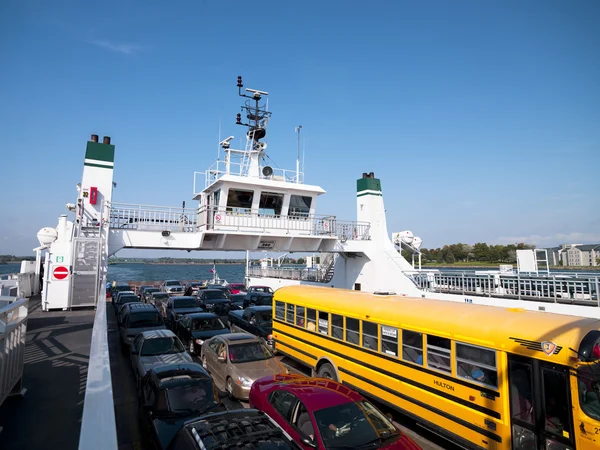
(60, 272)
(218, 217)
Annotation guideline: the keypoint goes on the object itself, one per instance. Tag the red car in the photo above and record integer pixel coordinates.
(324, 414)
(236, 288)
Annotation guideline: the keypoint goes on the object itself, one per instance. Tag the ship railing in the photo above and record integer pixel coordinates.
(288, 273)
(221, 168)
(17, 284)
(98, 426)
(238, 219)
(13, 331)
(553, 288)
(152, 218)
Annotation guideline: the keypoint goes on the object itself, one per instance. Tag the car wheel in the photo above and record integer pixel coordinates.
(327, 371)
(204, 363)
(192, 350)
(230, 388)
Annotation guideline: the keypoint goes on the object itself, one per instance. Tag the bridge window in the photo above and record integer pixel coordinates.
(337, 326)
(412, 347)
(239, 201)
(369, 335)
(311, 320)
(299, 206)
(476, 364)
(280, 310)
(352, 332)
(270, 204)
(300, 316)
(389, 340)
(438, 353)
(290, 313)
(323, 322)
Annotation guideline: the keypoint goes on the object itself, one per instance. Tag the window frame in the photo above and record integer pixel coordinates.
(439, 351)
(458, 359)
(363, 334)
(287, 310)
(280, 305)
(334, 317)
(385, 338)
(417, 349)
(313, 320)
(301, 317)
(354, 332)
(239, 209)
(319, 322)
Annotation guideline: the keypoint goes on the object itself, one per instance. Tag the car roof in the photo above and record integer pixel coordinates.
(261, 308)
(201, 315)
(262, 294)
(179, 297)
(159, 293)
(238, 337)
(191, 369)
(213, 290)
(315, 393)
(140, 306)
(154, 334)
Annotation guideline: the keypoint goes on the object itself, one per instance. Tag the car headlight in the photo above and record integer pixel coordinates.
(199, 341)
(244, 382)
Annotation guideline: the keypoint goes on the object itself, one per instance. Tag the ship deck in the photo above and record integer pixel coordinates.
(55, 373)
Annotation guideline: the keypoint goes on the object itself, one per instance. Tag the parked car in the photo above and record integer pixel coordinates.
(137, 318)
(194, 329)
(118, 287)
(147, 294)
(258, 298)
(117, 294)
(235, 360)
(179, 306)
(256, 320)
(324, 414)
(171, 394)
(237, 301)
(193, 287)
(172, 287)
(123, 299)
(140, 291)
(155, 348)
(244, 429)
(215, 288)
(237, 288)
(160, 300)
(266, 289)
(207, 295)
(219, 306)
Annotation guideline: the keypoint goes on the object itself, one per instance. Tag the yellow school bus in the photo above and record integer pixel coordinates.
(484, 377)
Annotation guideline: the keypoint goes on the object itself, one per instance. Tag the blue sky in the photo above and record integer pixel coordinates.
(482, 119)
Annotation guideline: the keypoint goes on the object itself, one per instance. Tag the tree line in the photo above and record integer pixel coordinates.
(4, 259)
(479, 252)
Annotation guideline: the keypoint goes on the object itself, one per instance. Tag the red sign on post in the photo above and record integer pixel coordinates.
(60, 272)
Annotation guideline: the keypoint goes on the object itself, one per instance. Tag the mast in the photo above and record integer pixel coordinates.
(298, 128)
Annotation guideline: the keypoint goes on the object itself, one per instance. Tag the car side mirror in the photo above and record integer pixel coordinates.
(221, 359)
(308, 442)
(389, 417)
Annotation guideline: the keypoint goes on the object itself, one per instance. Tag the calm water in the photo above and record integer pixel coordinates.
(158, 272)
(9, 268)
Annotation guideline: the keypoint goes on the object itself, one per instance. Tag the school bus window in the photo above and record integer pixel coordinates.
(556, 401)
(311, 319)
(352, 330)
(477, 364)
(300, 316)
(521, 391)
(389, 340)
(588, 384)
(323, 322)
(280, 310)
(337, 326)
(290, 313)
(438, 353)
(369, 335)
(412, 347)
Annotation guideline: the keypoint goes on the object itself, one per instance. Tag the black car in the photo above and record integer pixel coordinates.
(136, 318)
(122, 300)
(211, 294)
(180, 306)
(171, 394)
(194, 329)
(247, 429)
(219, 287)
(147, 293)
(219, 306)
(160, 300)
(237, 301)
(118, 287)
(193, 287)
(258, 299)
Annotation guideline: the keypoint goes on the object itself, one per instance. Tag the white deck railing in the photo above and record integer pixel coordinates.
(159, 218)
(554, 288)
(13, 332)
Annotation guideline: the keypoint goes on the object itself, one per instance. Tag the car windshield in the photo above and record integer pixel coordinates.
(213, 295)
(172, 283)
(128, 299)
(145, 319)
(160, 296)
(212, 323)
(185, 303)
(253, 351)
(190, 397)
(266, 289)
(354, 425)
(150, 290)
(589, 389)
(161, 346)
(264, 319)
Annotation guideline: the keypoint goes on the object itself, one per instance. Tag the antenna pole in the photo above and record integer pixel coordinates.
(298, 128)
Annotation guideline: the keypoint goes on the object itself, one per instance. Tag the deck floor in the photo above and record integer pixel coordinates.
(57, 350)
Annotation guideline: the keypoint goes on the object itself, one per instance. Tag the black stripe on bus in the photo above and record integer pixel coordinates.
(490, 394)
(446, 395)
(437, 411)
(296, 350)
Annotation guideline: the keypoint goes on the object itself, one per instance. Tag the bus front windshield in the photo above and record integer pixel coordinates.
(588, 383)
